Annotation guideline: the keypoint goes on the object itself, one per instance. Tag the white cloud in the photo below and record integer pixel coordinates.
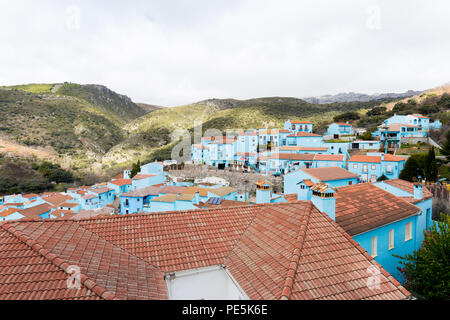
(186, 51)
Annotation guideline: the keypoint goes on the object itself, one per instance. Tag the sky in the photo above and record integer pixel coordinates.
(177, 52)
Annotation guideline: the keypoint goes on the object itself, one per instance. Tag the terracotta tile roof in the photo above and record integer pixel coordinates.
(143, 192)
(409, 187)
(357, 212)
(293, 156)
(203, 192)
(343, 124)
(308, 182)
(329, 174)
(301, 122)
(165, 198)
(28, 273)
(60, 212)
(262, 182)
(143, 176)
(119, 176)
(291, 197)
(296, 148)
(304, 134)
(279, 251)
(101, 190)
(173, 189)
(366, 159)
(68, 205)
(293, 251)
(392, 158)
(177, 241)
(89, 196)
(223, 191)
(329, 157)
(29, 196)
(107, 270)
(174, 197)
(420, 116)
(34, 212)
(121, 182)
(57, 199)
(8, 212)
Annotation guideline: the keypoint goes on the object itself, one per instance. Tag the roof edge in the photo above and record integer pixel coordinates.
(58, 262)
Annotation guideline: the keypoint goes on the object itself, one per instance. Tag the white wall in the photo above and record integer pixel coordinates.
(212, 283)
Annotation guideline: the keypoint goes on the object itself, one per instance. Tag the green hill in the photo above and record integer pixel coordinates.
(91, 128)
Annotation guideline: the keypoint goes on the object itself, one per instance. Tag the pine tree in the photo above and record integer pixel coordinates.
(446, 146)
(431, 168)
(136, 169)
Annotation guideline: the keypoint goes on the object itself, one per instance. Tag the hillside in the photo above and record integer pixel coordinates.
(149, 107)
(92, 129)
(112, 103)
(150, 136)
(361, 97)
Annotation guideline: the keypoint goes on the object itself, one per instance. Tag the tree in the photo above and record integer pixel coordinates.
(446, 146)
(367, 136)
(136, 169)
(427, 271)
(431, 168)
(376, 111)
(348, 116)
(413, 168)
(382, 178)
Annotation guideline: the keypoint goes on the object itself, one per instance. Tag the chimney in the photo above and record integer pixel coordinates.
(324, 200)
(304, 191)
(263, 192)
(418, 191)
(197, 198)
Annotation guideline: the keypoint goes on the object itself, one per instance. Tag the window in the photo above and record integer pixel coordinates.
(365, 168)
(350, 183)
(408, 231)
(389, 168)
(374, 167)
(391, 239)
(355, 166)
(374, 252)
(127, 202)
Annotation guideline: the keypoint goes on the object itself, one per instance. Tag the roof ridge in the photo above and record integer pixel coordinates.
(241, 236)
(295, 259)
(57, 261)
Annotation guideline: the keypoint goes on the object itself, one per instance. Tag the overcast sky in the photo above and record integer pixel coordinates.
(177, 52)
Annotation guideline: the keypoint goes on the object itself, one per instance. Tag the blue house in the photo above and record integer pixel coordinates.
(105, 195)
(156, 168)
(340, 129)
(135, 201)
(147, 180)
(372, 166)
(383, 223)
(333, 176)
(304, 139)
(120, 186)
(298, 126)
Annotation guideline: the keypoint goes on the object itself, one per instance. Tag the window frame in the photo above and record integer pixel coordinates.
(408, 231)
(391, 239)
(374, 247)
